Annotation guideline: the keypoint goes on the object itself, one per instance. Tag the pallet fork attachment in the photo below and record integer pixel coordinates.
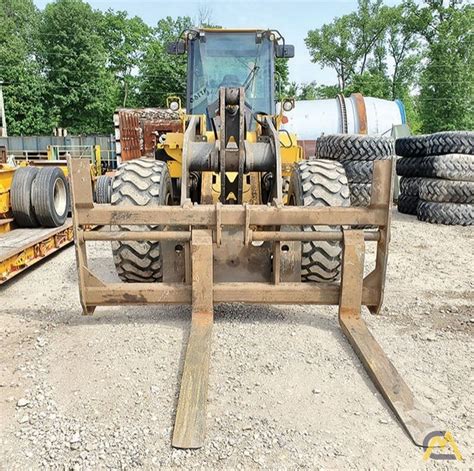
(202, 229)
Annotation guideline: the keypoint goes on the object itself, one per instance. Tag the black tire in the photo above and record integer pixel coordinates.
(407, 204)
(346, 147)
(50, 197)
(360, 193)
(359, 171)
(410, 186)
(446, 191)
(412, 146)
(446, 213)
(20, 197)
(103, 189)
(448, 167)
(140, 182)
(319, 183)
(454, 142)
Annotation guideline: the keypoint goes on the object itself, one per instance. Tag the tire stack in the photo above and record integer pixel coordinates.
(437, 177)
(357, 154)
(39, 197)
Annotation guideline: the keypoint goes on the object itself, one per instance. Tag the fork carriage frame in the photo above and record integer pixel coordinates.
(198, 231)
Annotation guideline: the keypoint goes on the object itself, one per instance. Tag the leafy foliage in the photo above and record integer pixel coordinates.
(447, 82)
(388, 52)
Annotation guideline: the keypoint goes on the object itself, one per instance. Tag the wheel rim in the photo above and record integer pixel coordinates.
(60, 196)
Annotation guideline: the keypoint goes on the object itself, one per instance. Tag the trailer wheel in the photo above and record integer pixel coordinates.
(140, 182)
(50, 197)
(20, 197)
(320, 183)
(103, 190)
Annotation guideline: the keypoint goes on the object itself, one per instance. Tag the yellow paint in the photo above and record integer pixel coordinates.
(290, 151)
(442, 442)
(6, 178)
(28, 256)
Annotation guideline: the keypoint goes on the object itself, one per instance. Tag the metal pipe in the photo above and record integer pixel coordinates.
(264, 236)
(178, 236)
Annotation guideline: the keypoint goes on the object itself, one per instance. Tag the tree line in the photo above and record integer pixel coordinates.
(71, 66)
(421, 54)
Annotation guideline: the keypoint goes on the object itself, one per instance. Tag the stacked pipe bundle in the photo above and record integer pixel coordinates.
(437, 177)
(357, 153)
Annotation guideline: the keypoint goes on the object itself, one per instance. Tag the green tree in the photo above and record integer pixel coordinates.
(161, 74)
(347, 43)
(25, 86)
(125, 41)
(447, 82)
(81, 89)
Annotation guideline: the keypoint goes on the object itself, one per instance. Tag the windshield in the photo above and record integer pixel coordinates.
(230, 60)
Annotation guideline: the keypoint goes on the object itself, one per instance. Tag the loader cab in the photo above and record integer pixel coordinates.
(231, 58)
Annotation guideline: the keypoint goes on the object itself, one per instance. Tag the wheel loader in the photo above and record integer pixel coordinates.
(211, 220)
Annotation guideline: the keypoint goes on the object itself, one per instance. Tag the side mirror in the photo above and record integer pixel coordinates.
(176, 48)
(286, 51)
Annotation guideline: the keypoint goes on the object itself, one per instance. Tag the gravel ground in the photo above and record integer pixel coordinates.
(286, 390)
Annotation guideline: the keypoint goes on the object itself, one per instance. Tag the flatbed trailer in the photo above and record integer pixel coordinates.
(22, 248)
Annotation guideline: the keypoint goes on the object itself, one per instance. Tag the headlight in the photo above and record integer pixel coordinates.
(288, 105)
(174, 105)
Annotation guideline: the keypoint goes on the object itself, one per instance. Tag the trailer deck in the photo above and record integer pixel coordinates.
(22, 248)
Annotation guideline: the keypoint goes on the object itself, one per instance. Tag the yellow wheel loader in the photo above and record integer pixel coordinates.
(207, 220)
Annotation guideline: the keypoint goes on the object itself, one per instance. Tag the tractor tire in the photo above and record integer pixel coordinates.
(448, 167)
(320, 183)
(50, 197)
(103, 190)
(410, 186)
(140, 182)
(412, 146)
(360, 193)
(446, 191)
(407, 204)
(454, 142)
(446, 213)
(20, 197)
(359, 171)
(347, 147)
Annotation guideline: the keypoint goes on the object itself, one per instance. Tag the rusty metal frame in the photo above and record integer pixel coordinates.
(200, 228)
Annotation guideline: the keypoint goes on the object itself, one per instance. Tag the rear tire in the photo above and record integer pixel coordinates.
(20, 197)
(140, 182)
(320, 183)
(50, 197)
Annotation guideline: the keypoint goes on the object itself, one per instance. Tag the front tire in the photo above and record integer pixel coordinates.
(140, 182)
(320, 183)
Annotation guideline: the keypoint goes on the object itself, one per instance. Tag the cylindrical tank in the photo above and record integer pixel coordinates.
(356, 115)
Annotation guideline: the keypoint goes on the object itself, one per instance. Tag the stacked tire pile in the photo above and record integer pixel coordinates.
(437, 177)
(39, 197)
(357, 154)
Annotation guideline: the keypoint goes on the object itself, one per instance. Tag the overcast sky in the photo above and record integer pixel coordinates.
(293, 18)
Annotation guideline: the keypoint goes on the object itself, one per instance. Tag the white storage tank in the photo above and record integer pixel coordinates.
(355, 115)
